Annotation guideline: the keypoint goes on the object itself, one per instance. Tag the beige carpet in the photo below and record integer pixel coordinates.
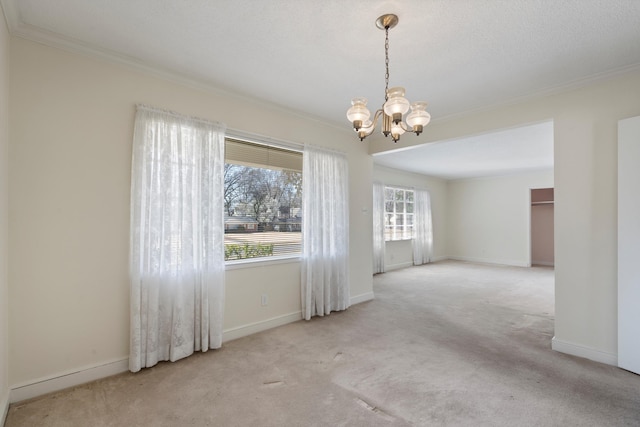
(447, 344)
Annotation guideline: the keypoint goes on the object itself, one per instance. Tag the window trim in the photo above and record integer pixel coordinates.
(277, 144)
(237, 264)
(264, 140)
(405, 189)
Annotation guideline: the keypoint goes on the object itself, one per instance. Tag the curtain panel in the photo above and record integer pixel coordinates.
(378, 228)
(423, 235)
(325, 232)
(177, 237)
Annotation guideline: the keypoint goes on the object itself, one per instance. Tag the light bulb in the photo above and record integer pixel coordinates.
(397, 104)
(358, 113)
(396, 131)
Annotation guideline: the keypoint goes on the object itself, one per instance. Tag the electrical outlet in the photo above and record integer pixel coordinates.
(264, 300)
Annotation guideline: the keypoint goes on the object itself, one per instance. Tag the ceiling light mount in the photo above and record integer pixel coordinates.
(387, 21)
(395, 105)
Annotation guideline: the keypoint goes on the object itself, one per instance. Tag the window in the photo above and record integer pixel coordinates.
(398, 214)
(262, 200)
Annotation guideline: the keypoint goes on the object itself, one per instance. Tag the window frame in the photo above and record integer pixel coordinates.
(233, 264)
(404, 231)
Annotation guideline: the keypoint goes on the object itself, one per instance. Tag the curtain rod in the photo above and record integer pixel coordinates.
(399, 187)
(264, 140)
(329, 150)
(179, 115)
(404, 187)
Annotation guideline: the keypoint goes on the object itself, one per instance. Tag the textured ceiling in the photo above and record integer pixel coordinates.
(313, 56)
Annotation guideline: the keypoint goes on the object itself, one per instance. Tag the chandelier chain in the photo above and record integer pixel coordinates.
(386, 64)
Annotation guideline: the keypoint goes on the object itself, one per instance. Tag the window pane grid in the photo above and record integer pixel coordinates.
(398, 208)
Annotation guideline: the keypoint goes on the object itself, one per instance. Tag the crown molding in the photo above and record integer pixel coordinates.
(11, 14)
(17, 28)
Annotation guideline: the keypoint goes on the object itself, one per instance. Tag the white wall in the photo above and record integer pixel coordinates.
(70, 156)
(4, 215)
(398, 254)
(585, 173)
(489, 217)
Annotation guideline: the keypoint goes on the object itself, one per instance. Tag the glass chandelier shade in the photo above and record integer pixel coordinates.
(395, 107)
(418, 118)
(358, 113)
(396, 131)
(396, 104)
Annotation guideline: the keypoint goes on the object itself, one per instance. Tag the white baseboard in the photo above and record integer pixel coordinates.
(4, 407)
(511, 262)
(76, 377)
(398, 266)
(67, 379)
(367, 296)
(80, 376)
(582, 351)
(263, 325)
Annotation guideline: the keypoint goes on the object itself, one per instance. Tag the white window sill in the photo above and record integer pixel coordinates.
(262, 261)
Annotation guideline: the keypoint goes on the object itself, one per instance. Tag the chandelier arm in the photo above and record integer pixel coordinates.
(376, 117)
(406, 127)
(362, 135)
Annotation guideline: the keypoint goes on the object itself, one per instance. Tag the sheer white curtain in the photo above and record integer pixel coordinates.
(325, 232)
(177, 237)
(378, 227)
(423, 234)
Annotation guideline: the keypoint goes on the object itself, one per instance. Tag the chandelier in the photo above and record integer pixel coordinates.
(395, 104)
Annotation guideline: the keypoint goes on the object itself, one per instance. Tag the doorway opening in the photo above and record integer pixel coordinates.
(542, 247)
